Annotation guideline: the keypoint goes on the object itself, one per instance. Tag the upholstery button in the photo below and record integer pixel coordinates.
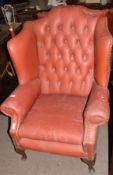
(84, 82)
(78, 71)
(47, 28)
(47, 81)
(59, 27)
(40, 44)
(72, 27)
(72, 57)
(42, 68)
(90, 44)
(65, 68)
(59, 83)
(84, 58)
(65, 41)
(48, 55)
(53, 69)
(90, 72)
(59, 55)
(78, 43)
(86, 31)
(70, 83)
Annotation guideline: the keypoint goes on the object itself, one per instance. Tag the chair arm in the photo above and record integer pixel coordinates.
(20, 101)
(97, 108)
(96, 113)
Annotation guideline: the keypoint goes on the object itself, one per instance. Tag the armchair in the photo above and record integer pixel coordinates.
(63, 63)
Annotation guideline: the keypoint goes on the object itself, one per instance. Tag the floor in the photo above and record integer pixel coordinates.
(43, 163)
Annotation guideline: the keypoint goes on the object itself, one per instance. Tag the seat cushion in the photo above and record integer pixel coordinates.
(56, 118)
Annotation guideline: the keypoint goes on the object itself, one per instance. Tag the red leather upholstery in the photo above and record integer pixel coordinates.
(70, 59)
(62, 62)
(96, 113)
(49, 124)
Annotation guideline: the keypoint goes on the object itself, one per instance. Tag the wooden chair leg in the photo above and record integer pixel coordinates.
(90, 164)
(21, 152)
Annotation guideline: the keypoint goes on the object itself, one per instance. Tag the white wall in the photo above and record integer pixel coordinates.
(104, 2)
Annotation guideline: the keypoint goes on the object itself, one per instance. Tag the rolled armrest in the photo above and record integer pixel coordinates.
(95, 114)
(97, 109)
(20, 101)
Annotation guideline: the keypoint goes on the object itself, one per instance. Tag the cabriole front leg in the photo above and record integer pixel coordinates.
(90, 164)
(21, 152)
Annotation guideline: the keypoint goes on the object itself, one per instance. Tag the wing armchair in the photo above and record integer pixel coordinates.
(63, 63)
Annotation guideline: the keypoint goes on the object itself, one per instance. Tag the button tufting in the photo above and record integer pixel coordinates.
(65, 41)
(70, 83)
(90, 71)
(65, 68)
(84, 58)
(84, 82)
(72, 57)
(59, 55)
(72, 27)
(40, 44)
(42, 68)
(53, 69)
(86, 29)
(47, 81)
(48, 55)
(59, 27)
(78, 71)
(59, 83)
(78, 43)
(47, 28)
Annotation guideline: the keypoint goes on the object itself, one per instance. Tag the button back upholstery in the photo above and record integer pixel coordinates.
(62, 62)
(66, 51)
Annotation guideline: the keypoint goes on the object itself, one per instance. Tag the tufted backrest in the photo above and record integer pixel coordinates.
(59, 49)
(65, 47)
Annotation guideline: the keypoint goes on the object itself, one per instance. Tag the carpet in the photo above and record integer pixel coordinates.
(39, 163)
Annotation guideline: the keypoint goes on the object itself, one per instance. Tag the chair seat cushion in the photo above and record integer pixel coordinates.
(56, 118)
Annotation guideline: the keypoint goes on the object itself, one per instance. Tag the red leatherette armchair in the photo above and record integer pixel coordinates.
(63, 63)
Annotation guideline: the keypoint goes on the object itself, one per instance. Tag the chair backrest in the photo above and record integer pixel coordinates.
(64, 40)
(65, 43)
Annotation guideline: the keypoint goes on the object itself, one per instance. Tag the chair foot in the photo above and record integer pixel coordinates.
(90, 164)
(21, 152)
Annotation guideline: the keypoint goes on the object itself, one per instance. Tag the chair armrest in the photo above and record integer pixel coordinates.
(97, 108)
(20, 101)
(96, 113)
